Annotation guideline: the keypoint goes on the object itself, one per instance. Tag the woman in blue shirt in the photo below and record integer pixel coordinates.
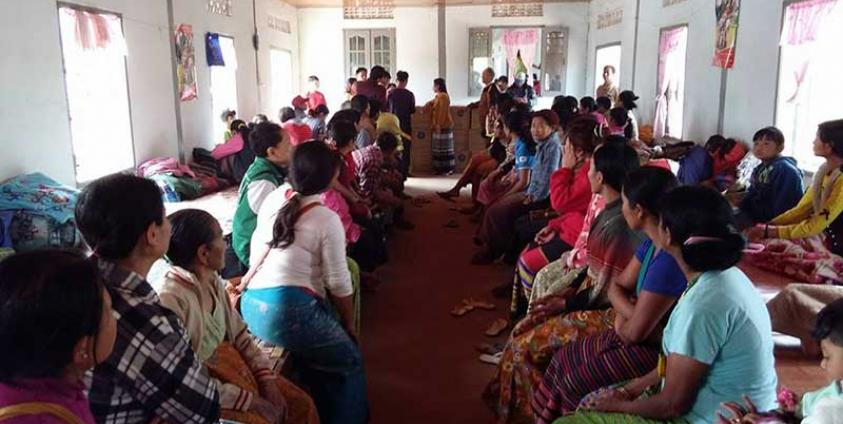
(641, 298)
(718, 343)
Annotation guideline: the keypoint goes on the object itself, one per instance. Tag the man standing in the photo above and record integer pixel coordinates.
(402, 103)
(608, 88)
(314, 96)
(487, 98)
(373, 88)
(362, 74)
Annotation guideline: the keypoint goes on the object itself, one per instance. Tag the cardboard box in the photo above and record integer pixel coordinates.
(420, 119)
(462, 157)
(476, 142)
(476, 122)
(461, 116)
(421, 155)
(461, 140)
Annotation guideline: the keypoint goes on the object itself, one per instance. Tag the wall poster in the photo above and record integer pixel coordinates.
(727, 12)
(185, 55)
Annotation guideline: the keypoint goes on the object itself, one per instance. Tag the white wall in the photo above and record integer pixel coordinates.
(33, 107)
(33, 104)
(272, 38)
(322, 48)
(460, 18)
(751, 85)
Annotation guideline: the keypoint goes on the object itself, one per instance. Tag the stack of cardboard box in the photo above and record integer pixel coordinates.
(468, 139)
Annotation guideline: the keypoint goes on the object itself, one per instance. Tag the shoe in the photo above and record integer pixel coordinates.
(491, 359)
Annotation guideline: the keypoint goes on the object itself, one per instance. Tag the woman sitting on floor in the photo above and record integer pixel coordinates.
(642, 298)
(718, 344)
(250, 391)
(56, 323)
(580, 309)
(300, 296)
(512, 176)
(570, 195)
(806, 242)
(496, 231)
(481, 165)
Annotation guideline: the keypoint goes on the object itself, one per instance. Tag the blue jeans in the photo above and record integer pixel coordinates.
(329, 361)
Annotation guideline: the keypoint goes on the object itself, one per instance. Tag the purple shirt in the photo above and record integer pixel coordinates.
(402, 103)
(48, 390)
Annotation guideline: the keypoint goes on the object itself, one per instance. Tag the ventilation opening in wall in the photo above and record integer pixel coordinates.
(281, 66)
(94, 53)
(224, 87)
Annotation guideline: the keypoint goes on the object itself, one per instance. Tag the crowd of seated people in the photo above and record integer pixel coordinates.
(94, 342)
(628, 304)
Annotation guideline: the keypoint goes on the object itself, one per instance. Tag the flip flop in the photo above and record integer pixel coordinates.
(463, 308)
(498, 326)
(480, 304)
(489, 348)
(491, 358)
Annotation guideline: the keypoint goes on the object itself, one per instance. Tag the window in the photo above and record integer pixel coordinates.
(369, 47)
(94, 53)
(609, 55)
(224, 86)
(670, 86)
(542, 51)
(809, 85)
(281, 66)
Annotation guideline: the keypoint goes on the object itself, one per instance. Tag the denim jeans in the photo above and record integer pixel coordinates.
(330, 362)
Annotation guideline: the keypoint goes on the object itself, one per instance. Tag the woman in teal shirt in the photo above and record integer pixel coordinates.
(718, 342)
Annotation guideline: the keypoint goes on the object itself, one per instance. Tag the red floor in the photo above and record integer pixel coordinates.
(421, 363)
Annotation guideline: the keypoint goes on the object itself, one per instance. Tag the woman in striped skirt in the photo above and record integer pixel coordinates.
(442, 124)
(631, 349)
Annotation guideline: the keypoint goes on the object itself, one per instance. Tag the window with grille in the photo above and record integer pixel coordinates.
(365, 48)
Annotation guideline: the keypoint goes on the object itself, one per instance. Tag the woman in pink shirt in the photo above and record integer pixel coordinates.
(56, 323)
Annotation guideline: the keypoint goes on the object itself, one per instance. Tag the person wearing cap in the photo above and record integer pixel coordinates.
(627, 99)
(521, 91)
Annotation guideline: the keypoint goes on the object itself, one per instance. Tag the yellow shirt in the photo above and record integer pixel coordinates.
(440, 112)
(802, 222)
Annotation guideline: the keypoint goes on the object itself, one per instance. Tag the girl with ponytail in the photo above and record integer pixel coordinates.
(299, 288)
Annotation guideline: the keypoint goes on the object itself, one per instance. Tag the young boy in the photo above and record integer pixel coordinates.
(271, 145)
(314, 96)
(152, 373)
(776, 184)
(819, 406)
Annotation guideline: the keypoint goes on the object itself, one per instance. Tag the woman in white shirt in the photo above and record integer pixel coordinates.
(299, 291)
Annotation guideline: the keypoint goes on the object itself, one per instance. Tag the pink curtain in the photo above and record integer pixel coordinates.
(670, 78)
(801, 24)
(96, 31)
(523, 40)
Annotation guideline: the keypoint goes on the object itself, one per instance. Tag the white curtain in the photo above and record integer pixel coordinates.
(671, 83)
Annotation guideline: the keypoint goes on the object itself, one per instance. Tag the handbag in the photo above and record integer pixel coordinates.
(234, 288)
(39, 408)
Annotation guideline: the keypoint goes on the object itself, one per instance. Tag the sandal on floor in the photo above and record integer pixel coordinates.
(463, 308)
(489, 348)
(480, 304)
(491, 359)
(498, 326)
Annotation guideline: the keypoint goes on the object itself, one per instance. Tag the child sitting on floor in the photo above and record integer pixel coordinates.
(775, 185)
(819, 406)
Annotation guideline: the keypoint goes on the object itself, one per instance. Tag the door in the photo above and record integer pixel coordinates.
(281, 68)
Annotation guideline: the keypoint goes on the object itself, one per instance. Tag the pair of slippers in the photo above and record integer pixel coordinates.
(470, 304)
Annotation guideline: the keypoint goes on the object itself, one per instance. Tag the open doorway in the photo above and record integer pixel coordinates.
(94, 53)
(608, 55)
(670, 86)
(224, 86)
(281, 66)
